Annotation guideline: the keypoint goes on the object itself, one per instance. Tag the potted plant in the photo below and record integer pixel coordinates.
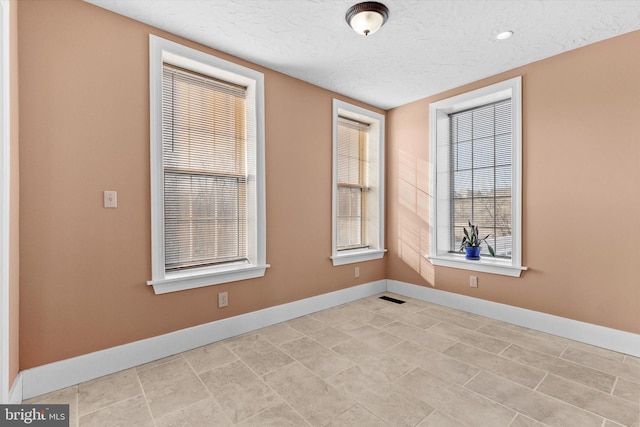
(471, 242)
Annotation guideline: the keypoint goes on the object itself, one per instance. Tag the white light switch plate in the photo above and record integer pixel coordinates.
(110, 199)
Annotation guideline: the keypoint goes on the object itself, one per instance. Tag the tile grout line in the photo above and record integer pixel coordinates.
(261, 377)
(577, 407)
(515, 416)
(613, 387)
(546, 374)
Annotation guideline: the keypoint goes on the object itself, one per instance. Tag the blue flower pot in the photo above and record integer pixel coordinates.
(473, 252)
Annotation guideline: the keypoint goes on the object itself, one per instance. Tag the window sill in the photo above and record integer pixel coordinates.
(183, 280)
(502, 267)
(357, 255)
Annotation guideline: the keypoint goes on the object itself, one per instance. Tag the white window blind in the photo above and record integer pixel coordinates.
(204, 138)
(352, 184)
(481, 148)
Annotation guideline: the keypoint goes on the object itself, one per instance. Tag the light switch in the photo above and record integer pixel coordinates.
(110, 199)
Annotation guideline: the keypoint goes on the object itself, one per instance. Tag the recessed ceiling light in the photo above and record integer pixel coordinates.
(504, 35)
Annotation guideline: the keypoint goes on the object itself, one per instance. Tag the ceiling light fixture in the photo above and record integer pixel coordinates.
(504, 35)
(367, 18)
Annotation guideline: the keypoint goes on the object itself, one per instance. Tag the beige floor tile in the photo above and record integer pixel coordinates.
(480, 320)
(563, 368)
(603, 352)
(454, 401)
(356, 416)
(475, 339)
(609, 423)
(509, 326)
(603, 404)
(455, 317)
(208, 357)
(367, 317)
(352, 382)
(258, 353)
(281, 415)
(171, 386)
(201, 414)
(66, 396)
(314, 329)
(159, 362)
(628, 390)
(533, 404)
(373, 336)
(445, 367)
(129, 413)
(383, 367)
(333, 316)
(393, 407)
(420, 336)
(566, 342)
(514, 371)
(614, 367)
(239, 391)
(632, 360)
(279, 334)
(373, 303)
(438, 419)
(107, 390)
(522, 421)
(310, 396)
(417, 319)
(317, 358)
(523, 339)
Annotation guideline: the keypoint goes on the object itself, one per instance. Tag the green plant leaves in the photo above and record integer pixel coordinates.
(473, 239)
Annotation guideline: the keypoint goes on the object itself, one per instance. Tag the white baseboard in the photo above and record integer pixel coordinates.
(612, 339)
(54, 376)
(64, 373)
(15, 393)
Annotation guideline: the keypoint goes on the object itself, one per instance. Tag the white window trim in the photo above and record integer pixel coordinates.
(341, 108)
(439, 137)
(161, 50)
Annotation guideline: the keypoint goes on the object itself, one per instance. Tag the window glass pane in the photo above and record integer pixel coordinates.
(483, 153)
(351, 165)
(463, 156)
(349, 217)
(503, 149)
(204, 152)
(481, 174)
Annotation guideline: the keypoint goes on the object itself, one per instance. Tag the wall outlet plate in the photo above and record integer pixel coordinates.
(223, 299)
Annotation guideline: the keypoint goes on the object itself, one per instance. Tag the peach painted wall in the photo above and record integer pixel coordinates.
(14, 215)
(84, 128)
(581, 161)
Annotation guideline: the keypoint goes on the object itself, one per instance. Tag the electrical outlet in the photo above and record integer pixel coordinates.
(473, 281)
(357, 272)
(223, 299)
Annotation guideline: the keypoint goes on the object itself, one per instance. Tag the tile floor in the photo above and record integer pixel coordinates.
(371, 363)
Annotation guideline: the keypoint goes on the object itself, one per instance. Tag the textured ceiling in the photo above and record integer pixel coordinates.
(426, 46)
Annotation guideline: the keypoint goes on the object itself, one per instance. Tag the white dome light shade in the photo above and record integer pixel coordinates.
(504, 35)
(367, 18)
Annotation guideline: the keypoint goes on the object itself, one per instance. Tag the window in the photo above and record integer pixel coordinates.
(207, 171)
(476, 176)
(358, 184)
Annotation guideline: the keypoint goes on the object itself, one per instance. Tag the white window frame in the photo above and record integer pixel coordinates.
(375, 197)
(440, 226)
(165, 51)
